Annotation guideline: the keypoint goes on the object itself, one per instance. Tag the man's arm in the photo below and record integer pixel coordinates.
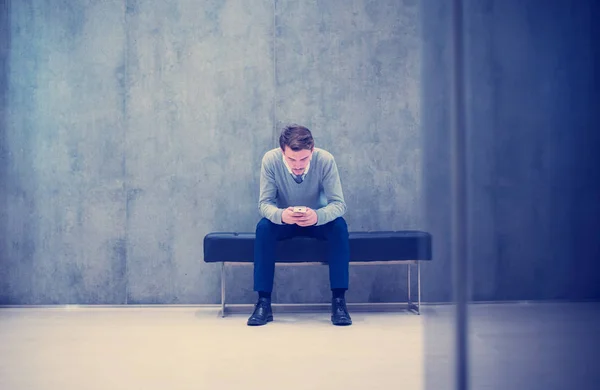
(267, 205)
(332, 186)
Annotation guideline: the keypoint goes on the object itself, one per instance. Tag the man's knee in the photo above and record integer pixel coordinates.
(339, 226)
(264, 226)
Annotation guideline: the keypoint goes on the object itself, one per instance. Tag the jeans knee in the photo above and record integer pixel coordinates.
(339, 226)
(263, 226)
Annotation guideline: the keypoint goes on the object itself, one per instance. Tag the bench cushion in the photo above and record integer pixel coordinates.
(364, 246)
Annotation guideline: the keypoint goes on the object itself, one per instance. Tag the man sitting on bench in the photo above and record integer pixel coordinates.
(300, 195)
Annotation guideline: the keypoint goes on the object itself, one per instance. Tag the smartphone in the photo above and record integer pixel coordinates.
(299, 209)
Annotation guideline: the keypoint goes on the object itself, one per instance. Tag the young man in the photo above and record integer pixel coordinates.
(298, 174)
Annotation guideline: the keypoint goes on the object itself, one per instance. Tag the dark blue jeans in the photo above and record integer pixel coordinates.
(268, 233)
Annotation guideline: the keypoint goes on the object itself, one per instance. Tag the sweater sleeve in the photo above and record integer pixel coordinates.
(267, 205)
(332, 187)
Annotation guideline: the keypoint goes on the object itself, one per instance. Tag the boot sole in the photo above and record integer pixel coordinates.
(269, 319)
(344, 323)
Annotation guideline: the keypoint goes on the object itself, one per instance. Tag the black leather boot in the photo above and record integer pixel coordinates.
(339, 312)
(262, 313)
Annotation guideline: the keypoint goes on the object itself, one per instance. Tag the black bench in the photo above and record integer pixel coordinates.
(366, 248)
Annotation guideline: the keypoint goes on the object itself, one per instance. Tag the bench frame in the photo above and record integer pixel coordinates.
(415, 308)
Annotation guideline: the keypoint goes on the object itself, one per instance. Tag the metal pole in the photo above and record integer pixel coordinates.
(459, 202)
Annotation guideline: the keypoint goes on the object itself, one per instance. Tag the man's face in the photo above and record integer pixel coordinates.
(297, 160)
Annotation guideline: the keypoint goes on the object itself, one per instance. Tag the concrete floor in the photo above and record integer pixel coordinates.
(513, 346)
(192, 348)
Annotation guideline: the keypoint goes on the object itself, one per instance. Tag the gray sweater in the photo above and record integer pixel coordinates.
(321, 189)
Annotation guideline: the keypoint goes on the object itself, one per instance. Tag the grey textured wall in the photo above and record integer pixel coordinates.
(199, 100)
(130, 129)
(64, 215)
(533, 183)
(4, 52)
(133, 128)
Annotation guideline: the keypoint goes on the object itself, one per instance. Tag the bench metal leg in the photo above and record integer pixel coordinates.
(419, 286)
(416, 308)
(411, 306)
(408, 282)
(223, 289)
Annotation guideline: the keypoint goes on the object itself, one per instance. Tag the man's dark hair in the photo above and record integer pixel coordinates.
(296, 138)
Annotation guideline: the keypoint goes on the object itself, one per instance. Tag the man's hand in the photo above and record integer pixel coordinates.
(308, 218)
(289, 216)
(301, 219)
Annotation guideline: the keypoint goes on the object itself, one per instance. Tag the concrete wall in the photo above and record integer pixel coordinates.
(64, 182)
(134, 128)
(533, 183)
(130, 129)
(4, 51)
